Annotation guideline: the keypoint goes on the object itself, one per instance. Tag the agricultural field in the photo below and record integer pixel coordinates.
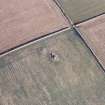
(82, 10)
(93, 32)
(57, 71)
(52, 52)
(24, 21)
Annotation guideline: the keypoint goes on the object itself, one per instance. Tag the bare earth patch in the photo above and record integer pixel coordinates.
(22, 21)
(93, 32)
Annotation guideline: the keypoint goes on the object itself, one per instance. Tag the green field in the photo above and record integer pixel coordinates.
(80, 10)
(31, 76)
